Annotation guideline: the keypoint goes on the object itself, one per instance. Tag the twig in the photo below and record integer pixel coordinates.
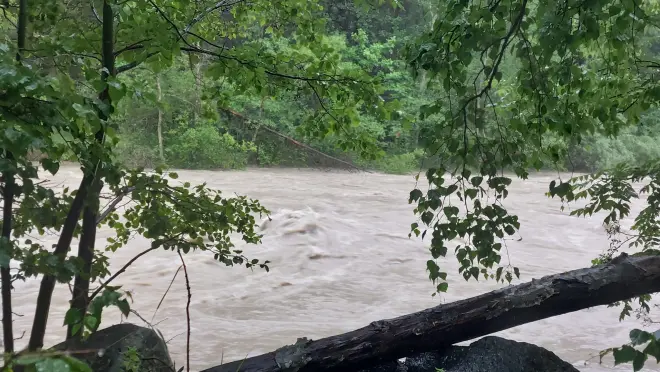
(173, 337)
(129, 263)
(165, 294)
(206, 12)
(185, 273)
(113, 204)
(133, 46)
(131, 65)
(4, 13)
(96, 14)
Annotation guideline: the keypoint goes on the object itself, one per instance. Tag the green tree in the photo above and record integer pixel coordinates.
(63, 76)
(580, 70)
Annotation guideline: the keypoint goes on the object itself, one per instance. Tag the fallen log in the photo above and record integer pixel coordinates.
(432, 329)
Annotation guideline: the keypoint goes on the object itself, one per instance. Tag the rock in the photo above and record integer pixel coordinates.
(485, 355)
(112, 350)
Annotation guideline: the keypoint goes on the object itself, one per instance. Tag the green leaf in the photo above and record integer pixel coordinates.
(625, 354)
(471, 193)
(91, 322)
(415, 195)
(53, 365)
(75, 329)
(72, 316)
(498, 273)
(28, 360)
(639, 361)
(442, 287)
(451, 211)
(124, 307)
(116, 90)
(50, 165)
(653, 349)
(76, 365)
(639, 337)
(476, 180)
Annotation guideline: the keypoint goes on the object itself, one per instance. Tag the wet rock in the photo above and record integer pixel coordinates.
(485, 355)
(122, 346)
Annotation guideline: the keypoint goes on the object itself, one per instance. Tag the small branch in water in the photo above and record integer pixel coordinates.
(185, 273)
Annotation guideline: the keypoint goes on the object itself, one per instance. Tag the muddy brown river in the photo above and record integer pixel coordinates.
(341, 258)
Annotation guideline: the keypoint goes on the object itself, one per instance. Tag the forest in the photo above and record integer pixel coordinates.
(192, 128)
(464, 94)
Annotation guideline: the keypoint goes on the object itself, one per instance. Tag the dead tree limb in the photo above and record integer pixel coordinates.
(463, 320)
(297, 143)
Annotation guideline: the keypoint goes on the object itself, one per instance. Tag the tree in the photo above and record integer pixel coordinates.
(61, 81)
(580, 69)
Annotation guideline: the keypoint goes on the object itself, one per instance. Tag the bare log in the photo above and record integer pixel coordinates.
(432, 329)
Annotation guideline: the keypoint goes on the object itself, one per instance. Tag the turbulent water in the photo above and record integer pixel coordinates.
(341, 258)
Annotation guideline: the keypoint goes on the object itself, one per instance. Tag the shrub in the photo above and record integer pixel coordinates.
(203, 147)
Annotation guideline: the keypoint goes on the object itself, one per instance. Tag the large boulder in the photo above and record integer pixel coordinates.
(485, 355)
(123, 347)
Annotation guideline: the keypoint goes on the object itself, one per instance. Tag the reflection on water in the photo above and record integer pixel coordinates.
(341, 258)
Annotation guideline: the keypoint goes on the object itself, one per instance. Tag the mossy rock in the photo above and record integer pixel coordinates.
(122, 348)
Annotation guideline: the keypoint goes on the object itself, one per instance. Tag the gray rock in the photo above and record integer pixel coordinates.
(110, 350)
(485, 355)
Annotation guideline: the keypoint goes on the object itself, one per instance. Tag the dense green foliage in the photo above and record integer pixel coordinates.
(360, 39)
(529, 85)
(71, 81)
(464, 89)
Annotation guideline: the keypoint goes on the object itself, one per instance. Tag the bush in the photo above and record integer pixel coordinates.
(599, 152)
(203, 147)
(397, 164)
(133, 154)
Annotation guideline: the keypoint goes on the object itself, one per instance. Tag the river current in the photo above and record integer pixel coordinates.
(341, 258)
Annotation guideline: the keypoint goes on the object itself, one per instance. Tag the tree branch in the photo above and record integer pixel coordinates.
(134, 64)
(185, 273)
(96, 14)
(135, 46)
(5, 273)
(122, 270)
(198, 18)
(113, 204)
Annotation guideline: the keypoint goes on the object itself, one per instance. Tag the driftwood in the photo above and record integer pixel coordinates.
(447, 324)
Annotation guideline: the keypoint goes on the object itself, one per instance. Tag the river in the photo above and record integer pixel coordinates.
(341, 258)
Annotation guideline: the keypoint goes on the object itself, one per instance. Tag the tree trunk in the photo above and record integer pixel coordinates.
(87, 198)
(8, 203)
(447, 324)
(160, 122)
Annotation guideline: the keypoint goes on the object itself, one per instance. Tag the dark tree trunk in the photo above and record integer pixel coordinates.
(444, 325)
(90, 186)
